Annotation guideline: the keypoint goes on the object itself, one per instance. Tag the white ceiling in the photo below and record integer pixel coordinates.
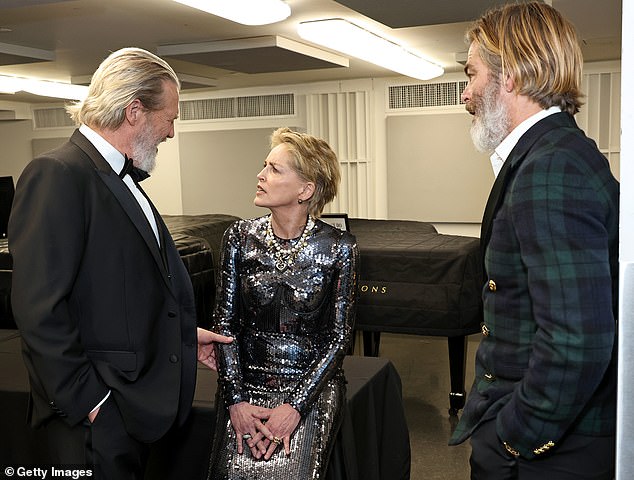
(80, 33)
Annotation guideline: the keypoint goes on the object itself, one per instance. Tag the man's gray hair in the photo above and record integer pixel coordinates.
(126, 75)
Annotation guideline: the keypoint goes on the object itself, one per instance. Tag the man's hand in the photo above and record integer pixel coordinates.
(206, 348)
(92, 415)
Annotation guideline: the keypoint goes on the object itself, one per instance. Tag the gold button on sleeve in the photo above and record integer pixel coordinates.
(544, 448)
(511, 450)
(485, 330)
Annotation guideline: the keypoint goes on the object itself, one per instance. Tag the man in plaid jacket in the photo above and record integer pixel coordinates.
(543, 403)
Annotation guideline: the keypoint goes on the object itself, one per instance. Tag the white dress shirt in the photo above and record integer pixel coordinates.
(503, 150)
(116, 161)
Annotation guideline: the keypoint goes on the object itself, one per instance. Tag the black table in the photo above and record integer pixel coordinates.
(373, 443)
(414, 280)
(198, 239)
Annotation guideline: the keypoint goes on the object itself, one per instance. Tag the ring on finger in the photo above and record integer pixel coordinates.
(246, 436)
(277, 440)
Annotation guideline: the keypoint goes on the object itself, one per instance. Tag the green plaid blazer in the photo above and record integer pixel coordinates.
(546, 365)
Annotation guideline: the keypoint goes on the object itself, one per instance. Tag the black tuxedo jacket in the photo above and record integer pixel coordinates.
(99, 305)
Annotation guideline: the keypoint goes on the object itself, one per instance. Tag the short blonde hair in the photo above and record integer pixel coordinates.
(126, 75)
(314, 161)
(537, 47)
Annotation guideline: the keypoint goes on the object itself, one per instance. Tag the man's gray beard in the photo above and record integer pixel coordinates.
(492, 123)
(144, 152)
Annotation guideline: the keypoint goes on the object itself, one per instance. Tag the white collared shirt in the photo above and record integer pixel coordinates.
(503, 150)
(116, 161)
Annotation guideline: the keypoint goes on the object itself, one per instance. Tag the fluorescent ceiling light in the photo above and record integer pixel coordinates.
(45, 88)
(346, 37)
(9, 84)
(246, 12)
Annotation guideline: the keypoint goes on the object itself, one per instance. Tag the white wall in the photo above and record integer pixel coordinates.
(220, 169)
(400, 198)
(15, 138)
(625, 390)
(176, 188)
(21, 141)
(164, 186)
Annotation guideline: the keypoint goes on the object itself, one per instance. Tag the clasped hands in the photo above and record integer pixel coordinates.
(263, 429)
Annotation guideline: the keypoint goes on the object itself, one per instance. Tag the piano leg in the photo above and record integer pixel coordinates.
(371, 341)
(457, 364)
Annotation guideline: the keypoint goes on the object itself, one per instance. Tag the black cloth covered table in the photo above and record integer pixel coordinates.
(373, 443)
(208, 227)
(414, 280)
(198, 239)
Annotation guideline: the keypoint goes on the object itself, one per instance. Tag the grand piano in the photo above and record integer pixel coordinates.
(414, 280)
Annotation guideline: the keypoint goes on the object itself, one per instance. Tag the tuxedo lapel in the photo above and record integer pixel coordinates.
(132, 208)
(163, 233)
(125, 198)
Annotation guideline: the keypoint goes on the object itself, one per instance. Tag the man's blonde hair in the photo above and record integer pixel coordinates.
(126, 75)
(533, 44)
(314, 161)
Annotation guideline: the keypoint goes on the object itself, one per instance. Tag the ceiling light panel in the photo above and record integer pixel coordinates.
(44, 88)
(246, 12)
(346, 37)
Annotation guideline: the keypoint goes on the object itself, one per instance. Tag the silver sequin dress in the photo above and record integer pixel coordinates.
(293, 329)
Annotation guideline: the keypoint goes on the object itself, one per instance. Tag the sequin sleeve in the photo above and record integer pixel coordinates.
(342, 315)
(227, 317)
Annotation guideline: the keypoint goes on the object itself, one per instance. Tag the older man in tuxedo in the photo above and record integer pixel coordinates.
(102, 299)
(543, 401)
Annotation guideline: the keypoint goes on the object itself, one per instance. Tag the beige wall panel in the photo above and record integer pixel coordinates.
(434, 174)
(219, 168)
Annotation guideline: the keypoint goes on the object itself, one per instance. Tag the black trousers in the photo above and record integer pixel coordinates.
(576, 457)
(104, 445)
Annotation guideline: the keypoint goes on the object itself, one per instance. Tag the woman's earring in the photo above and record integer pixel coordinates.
(300, 201)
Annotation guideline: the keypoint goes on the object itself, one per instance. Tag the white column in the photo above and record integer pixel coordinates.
(625, 406)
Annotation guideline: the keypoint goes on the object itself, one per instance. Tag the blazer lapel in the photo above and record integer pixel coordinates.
(497, 192)
(510, 165)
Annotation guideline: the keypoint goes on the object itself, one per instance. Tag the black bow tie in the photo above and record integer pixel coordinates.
(135, 173)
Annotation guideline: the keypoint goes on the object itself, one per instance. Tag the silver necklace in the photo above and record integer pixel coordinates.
(285, 257)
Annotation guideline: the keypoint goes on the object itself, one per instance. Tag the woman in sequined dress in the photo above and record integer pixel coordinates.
(287, 294)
